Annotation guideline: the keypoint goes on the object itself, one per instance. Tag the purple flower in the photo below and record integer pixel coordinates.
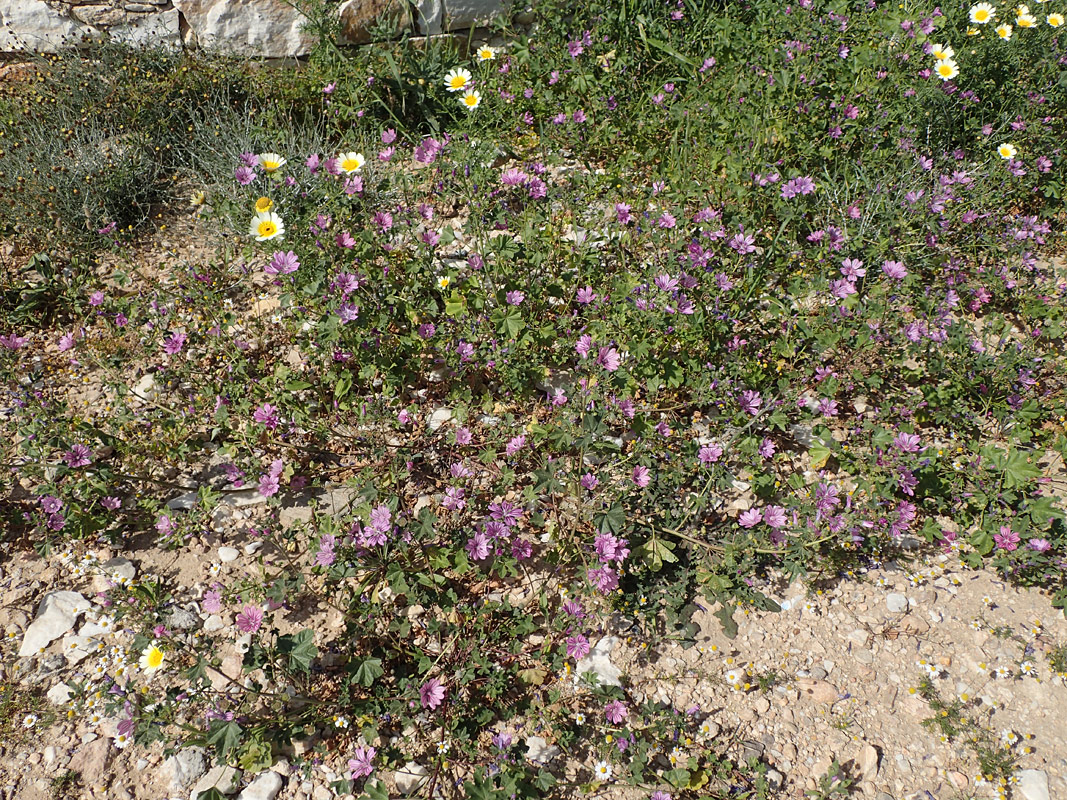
(515, 445)
(583, 345)
(513, 177)
(797, 186)
(244, 175)
(907, 442)
(609, 358)
(96, 298)
(432, 693)
(250, 619)
(615, 711)
(50, 504)
(463, 436)
(1007, 539)
(501, 741)
(774, 516)
(282, 263)
(478, 546)
(610, 548)
(359, 766)
(766, 448)
(268, 485)
(585, 296)
(427, 151)
(589, 481)
(515, 298)
(895, 270)
(325, 555)
(13, 342)
(111, 503)
(266, 415)
(577, 647)
(164, 525)
(709, 454)
(1039, 545)
(212, 602)
(174, 343)
(453, 499)
(66, 342)
(750, 402)
(622, 213)
(78, 456)
(750, 518)
(641, 476)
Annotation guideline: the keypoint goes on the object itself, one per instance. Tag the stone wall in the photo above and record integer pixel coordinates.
(258, 28)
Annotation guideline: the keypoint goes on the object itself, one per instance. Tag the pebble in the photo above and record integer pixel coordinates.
(56, 617)
(1033, 784)
(411, 778)
(228, 554)
(896, 602)
(265, 787)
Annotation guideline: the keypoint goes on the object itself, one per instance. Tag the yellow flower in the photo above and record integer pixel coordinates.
(271, 161)
(266, 226)
(457, 80)
(485, 53)
(972, 31)
(946, 69)
(198, 198)
(1026, 20)
(1006, 151)
(942, 52)
(471, 99)
(264, 204)
(1004, 31)
(151, 659)
(981, 13)
(1055, 20)
(351, 162)
(443, 281)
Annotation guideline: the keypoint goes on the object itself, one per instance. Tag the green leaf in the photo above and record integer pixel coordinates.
(368, 671)
(726, 618)
(611, 521)
(210, 794)
(344, 383)
(300, 648)
(224, 737)
(297, 386)
(1043, 511)
(1018, 471)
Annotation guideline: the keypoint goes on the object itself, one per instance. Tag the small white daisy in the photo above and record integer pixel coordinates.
(602, 770)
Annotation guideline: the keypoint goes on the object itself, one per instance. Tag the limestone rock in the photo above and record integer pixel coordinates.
(539, 751)
(358, 17)
(56, 617)
(896, 602)
(1033, 785)
(464, 13)
(35, 26)
(90, 762)
(265, 787)
(184, 768)
(599, 662)
(411, 778)
(817, 691)
(228, 554)
(266, 28)
(225, 779)
(429, 16)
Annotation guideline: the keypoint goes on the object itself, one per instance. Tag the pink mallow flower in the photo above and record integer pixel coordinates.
(432, 693)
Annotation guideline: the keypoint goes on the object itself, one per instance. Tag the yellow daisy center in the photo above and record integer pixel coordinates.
(155, 658)
(267, 228)
(981, 15)
(457, 82)
(350, 164)
(470, 100)
(270, 165)
(264, 204)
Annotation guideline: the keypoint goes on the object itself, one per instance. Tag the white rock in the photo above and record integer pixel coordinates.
(59, 695)
(1033, 784)
(252, 547)
(228, 554)
(896, 602)
(599, 662)
(183, 502)
(429, 16)
(411, 778)
(33, 25)
(77, 648)
(160, 28)
(56, 616)
(539, 750)
(438, 417)
(225, 779)
(214, 623)
(184, 768)
(267, 28)
(265, 787)
(146, 388)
